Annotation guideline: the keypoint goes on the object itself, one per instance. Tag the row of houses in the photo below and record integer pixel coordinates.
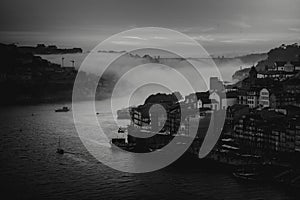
(273, 133)
(268, 92)
(262, 114)
(281, 70)
(265, 97)
(285, 66)
(193, 112)
(266, 117)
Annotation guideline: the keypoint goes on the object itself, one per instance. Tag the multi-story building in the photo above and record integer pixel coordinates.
(280, 99)
(281, 70)
(296, 65)
(292, 85)
(249, 97)
(276, 98)
(235, 112)
(276, 134)
(264, 97)
(293, 134)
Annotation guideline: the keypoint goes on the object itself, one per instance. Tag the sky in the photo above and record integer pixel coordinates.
(223, 27)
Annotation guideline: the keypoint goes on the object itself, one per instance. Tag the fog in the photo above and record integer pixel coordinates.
(121, 76)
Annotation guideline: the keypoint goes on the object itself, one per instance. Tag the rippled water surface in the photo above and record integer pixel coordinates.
(31, 169)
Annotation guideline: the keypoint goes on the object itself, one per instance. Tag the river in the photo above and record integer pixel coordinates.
(30, 168)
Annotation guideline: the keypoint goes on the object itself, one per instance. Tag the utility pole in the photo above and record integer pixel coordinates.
(73, 63)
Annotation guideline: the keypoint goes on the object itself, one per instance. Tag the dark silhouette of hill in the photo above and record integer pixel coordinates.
(285, 53)
(26, 78)
(51, 49)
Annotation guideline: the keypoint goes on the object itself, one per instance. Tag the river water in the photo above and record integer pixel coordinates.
(30, 168)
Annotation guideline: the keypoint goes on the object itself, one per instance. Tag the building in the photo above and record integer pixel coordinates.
(197, 101)
(249, 97)
(268, 132)
(281, 70)
(296, 65)
(293, 134)
(292, 85)
(249, 133)
(281, 99)
(216, 84)
(231, 98)
(276, 98)
(276, 75)
(264, 97)
(279, 66)
(234, 113)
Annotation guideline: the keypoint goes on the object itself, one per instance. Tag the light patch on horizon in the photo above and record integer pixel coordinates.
(134, 38)
(203, 38)
(197, 29)
(160, 38)
(245, 40)
(129, 42)
(295, 29)
(240, 24)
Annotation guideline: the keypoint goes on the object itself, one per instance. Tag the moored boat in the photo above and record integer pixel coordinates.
(59, 150)
(63, 109)
(252, 176)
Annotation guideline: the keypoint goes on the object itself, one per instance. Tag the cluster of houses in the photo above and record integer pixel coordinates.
(262, 113)
(268, 92)
(181, 116)
(266, 117)
(280, 70)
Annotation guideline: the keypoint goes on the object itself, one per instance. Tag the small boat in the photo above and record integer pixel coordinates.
(121, 140)
(251, 173)
(121, 143)
(59, 150)
(246, 176)
(121, 130)
(63, 109)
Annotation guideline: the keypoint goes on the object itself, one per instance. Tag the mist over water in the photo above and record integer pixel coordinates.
(157, 72)
(227, 68)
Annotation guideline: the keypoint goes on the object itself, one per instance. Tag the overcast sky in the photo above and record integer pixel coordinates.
(222, 26)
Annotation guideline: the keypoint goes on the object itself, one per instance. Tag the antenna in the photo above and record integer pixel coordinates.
(73, 63)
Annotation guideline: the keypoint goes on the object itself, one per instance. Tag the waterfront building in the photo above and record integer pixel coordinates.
(279, 99)
(249, 97)
(296, 65)
(216, 85)
(264, 97)
(235, 112)
(281, 70)
(292, 85)
(279, 65)
(268, 132)
(293, 131)
(276, 98)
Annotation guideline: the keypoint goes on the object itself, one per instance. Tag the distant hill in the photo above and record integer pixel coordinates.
(241, 74)
(27, 78)
(249, 59)
(253, 58)
(51, 49)
(283, 53)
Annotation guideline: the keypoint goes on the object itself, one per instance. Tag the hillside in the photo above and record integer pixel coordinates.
(285, 53)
